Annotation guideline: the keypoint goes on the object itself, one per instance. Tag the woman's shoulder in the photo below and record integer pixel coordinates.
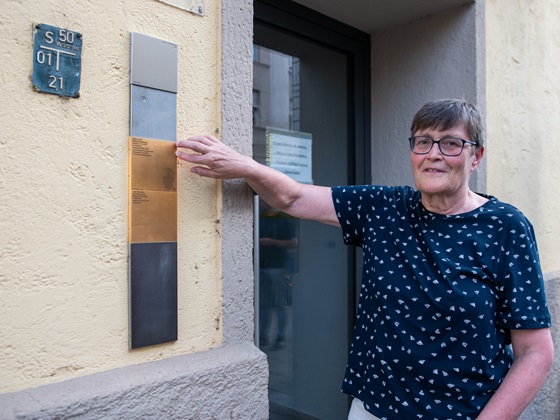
(377, 194)
(504, 212)
(496, 205)
(377, 190)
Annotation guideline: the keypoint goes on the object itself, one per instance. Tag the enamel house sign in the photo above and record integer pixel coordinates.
(57, 60)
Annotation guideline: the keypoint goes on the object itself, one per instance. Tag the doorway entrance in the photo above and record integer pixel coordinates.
(311, 96)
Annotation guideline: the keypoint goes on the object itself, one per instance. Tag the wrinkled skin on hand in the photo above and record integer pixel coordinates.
(213, 159)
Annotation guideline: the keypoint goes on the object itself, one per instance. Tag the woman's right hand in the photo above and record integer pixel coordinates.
(213, 159)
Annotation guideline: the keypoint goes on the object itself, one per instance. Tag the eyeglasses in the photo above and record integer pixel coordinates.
(448, 146)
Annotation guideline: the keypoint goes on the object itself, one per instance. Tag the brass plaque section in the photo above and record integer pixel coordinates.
(153, 164)
(152, 191)
(153, 216)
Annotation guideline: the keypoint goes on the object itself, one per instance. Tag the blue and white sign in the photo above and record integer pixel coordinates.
(57, 60)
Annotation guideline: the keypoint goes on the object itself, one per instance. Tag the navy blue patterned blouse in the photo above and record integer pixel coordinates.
(439, 295)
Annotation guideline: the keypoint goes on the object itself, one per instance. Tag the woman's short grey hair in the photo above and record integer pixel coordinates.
(444, 114)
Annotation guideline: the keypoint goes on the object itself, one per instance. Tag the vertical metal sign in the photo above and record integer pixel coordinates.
(152, 191)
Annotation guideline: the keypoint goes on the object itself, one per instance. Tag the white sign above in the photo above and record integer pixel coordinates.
(193, 6)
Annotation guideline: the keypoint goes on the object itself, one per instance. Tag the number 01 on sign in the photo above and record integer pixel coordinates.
(57, 60)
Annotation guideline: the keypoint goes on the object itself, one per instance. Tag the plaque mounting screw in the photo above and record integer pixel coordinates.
(38, 26)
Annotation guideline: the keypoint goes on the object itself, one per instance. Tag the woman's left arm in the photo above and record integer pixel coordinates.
(533, 355)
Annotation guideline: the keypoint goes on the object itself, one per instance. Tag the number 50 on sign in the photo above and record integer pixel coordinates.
(57, 60)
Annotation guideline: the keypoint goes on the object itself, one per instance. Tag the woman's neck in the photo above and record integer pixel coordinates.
(453, 205)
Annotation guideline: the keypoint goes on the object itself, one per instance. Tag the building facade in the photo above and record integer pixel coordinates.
(65, 260)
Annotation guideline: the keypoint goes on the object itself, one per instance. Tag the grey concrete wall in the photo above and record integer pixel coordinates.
(547, 403)
(434, 57)
(237, 211)
(225, 383)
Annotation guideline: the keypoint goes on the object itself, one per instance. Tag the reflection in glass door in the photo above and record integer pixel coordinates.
(304, 271)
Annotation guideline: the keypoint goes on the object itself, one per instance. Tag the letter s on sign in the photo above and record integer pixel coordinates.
(49, 36)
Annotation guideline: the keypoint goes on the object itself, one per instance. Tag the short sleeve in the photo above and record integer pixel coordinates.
(369, 207)
(351, 205)
(522, 298)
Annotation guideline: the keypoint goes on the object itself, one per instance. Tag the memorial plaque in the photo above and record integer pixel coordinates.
(57, 60)
(153, 164)
(152, 191)
(153, 216)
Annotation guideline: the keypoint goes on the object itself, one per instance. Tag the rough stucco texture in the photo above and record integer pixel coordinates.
(523, 97)
(237, 210)
(523, 102)
(226, 383)
(63, 182)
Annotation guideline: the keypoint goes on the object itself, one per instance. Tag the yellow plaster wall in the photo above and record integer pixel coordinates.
(523, 113)
(63, 186)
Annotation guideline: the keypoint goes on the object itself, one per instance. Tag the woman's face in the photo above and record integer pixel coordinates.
(445, 176)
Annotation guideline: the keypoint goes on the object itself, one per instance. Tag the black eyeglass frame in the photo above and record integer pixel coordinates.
(463, 142)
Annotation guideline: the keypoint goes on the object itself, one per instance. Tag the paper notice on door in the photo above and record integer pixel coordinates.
(290, 152)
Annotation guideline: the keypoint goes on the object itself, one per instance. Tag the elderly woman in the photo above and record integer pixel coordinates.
(452, 319)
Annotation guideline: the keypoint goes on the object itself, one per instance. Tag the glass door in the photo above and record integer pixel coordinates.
(303, 266)
(305, 275)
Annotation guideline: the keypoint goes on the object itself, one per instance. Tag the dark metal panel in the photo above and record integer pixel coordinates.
(153, 293)
(289, 16)
(153, 113)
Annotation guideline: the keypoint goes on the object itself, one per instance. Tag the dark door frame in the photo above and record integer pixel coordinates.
(290, 17)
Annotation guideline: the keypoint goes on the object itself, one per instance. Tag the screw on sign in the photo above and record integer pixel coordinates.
(57, 60)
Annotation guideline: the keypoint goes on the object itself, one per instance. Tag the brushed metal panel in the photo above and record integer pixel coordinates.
(153, 113)
(153, 62)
